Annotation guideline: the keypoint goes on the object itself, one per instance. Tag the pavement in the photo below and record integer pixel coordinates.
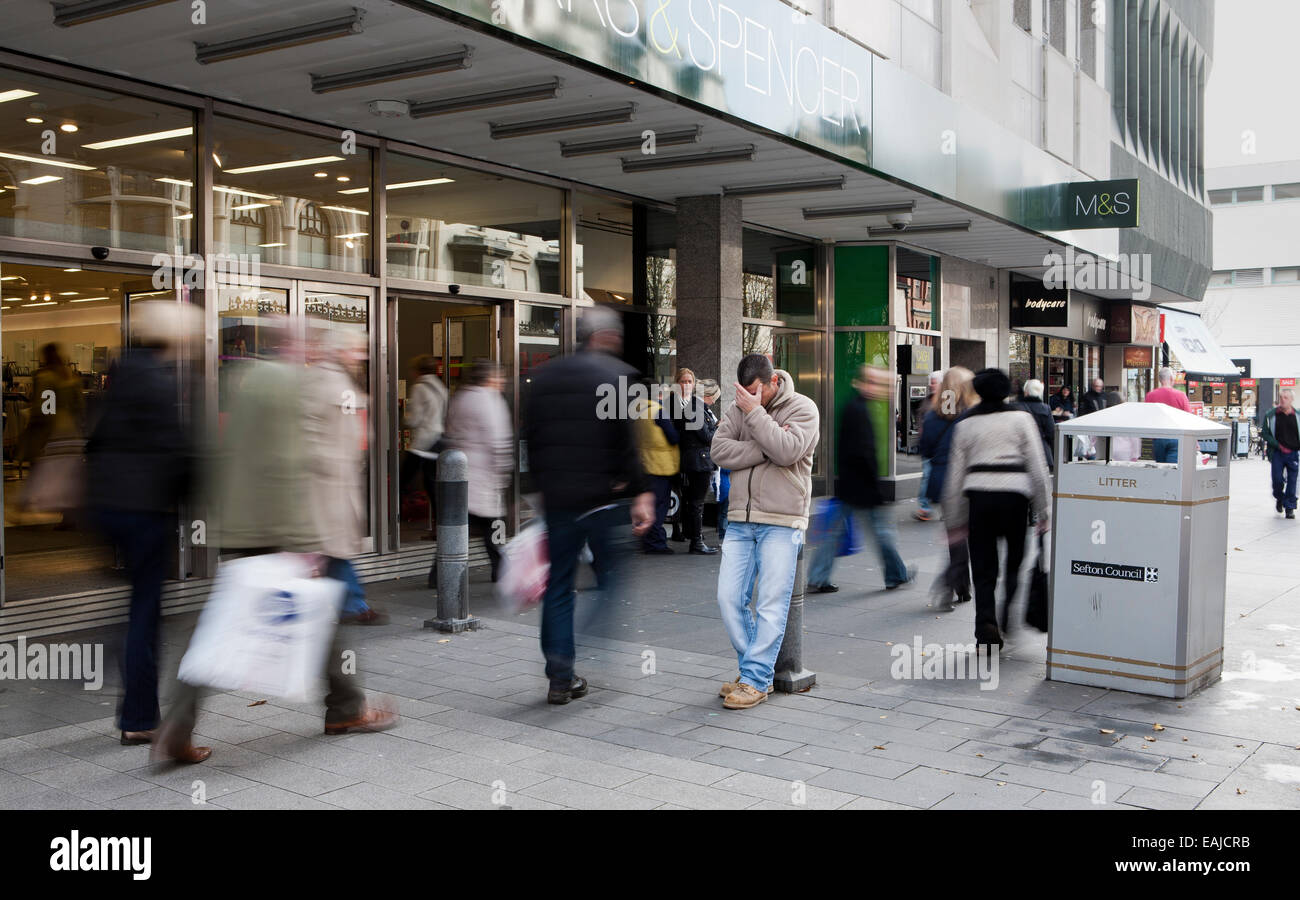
(476, 731)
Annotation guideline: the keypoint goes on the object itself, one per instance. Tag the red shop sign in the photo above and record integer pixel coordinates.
(1288, 382)
(1248, 382)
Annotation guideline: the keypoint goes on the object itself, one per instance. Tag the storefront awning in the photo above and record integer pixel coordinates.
(1190, 343)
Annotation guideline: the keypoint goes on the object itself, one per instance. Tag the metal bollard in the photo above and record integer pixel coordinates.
(453, 545)
(790, 676)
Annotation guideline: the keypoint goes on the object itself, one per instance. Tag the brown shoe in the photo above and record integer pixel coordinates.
(729, 686)
(371, 719)
(369, 617)
(743, 697)
(186, 754)
(134, 738)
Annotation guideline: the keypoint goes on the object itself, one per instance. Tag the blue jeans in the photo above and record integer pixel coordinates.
(354, 601)
(921, 499)
(881, 522)
(1165, 450)
(145, 540)
(758, 562)
(566, 532)
(1286, 467)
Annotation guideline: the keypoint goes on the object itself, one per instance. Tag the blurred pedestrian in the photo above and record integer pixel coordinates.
(1165, 450)
(1094, 399)
(696, 425)
(53, 442)
(957, 396)
(335, 408)
(858, 489)
(923, 509)
(1042, 413)
(141, 460)
(996, 475)
(1062, 404)
(426, 414)
(657, 439)
(766, 438)
(267, 471)
(478, 424)
(1283, 441)
(583, 454)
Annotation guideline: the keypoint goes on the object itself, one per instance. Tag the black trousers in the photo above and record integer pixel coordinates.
(695, 487)
(655, 538)
(994, 515)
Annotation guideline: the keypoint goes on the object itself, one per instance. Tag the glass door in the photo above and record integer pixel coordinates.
(434, 342)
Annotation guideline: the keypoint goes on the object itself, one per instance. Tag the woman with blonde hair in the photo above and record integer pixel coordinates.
(695, 425)
(955, 396)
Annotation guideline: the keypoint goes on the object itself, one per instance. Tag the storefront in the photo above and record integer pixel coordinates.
(1212, 380)
(1131, 356)
(1057, 337)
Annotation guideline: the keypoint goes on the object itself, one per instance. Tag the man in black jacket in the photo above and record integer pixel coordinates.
(140, 467)
(858, 488)
(582, 452)
(1042, 413)
(695, 424)
(1095, 399)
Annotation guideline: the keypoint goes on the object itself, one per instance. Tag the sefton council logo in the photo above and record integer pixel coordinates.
(1146, 574)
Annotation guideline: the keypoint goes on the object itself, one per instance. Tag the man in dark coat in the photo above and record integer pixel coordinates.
(1094, 400)
(858, 489)
(582, 451)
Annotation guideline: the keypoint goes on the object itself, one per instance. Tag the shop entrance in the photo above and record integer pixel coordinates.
(434, 337)
(63, 328)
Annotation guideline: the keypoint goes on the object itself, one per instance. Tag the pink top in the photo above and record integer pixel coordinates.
(1169, 397)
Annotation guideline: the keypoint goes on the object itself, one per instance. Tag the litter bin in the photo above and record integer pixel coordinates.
(1139, 562)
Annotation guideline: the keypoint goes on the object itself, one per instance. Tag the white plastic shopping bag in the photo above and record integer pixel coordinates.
(525, 566)
(266, 628)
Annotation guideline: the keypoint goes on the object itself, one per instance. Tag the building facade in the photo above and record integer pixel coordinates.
(906, 184)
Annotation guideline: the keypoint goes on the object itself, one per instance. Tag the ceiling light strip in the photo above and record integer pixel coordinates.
(546, 90)
(140, 139)
(847, 212)
(429, 65)
(937, 228)
(688, 160)
(71, 14)
(835, 183)
(631, 142)
(618, 115)
(279, 40)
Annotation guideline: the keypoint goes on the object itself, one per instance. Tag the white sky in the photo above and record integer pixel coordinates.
(1254, 82)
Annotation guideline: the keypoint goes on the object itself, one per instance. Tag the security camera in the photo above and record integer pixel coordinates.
(454, 288)
(99, 252)
(899, 221)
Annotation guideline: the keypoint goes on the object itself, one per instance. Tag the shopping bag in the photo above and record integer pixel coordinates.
(265, 629)
(1036, 611)
(525, 566)
(57, 481)
(827, 515)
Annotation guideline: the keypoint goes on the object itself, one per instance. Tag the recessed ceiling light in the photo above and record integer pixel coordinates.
(343, 178)
(72, 270)
(88, 299)
(10, 278)
(216, 159)
(346, 209)
(51, 303)
(355, 234)
(43, 179)
(322, 174)
(68, 128)
(175, 181)
(281, 244)
(16, 94)
(35, 120)
(138, 138)
(287, 164)
(183, 217)
(243, 193)
(244, 206)
(69, 293)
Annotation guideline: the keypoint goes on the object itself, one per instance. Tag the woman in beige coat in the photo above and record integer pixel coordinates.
(478, 424)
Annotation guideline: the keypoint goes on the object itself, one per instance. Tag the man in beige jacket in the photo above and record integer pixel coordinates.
(766, 439)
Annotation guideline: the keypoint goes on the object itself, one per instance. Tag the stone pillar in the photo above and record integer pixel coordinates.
(710, 284)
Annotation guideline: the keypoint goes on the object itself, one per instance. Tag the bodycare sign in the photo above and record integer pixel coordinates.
(759, 60)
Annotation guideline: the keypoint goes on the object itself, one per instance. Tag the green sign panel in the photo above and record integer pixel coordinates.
(1083, 204)
(758, 60)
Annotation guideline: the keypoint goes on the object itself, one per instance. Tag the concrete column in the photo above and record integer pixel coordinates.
(710, 285)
